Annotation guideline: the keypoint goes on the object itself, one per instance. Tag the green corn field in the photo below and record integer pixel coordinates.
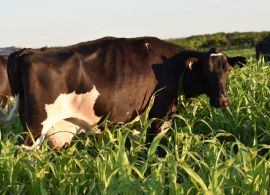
(207, 150)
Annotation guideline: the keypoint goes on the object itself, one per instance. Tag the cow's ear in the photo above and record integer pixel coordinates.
(214, 51)
(190, 62)
(238, 60)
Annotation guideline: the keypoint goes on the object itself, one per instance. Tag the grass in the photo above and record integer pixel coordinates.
(240, 51)
(208, 151)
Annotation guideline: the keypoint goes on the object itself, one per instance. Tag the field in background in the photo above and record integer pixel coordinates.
(208, 150)
(235, 40)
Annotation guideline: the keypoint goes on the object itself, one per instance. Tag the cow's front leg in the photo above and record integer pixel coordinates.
(163, 113)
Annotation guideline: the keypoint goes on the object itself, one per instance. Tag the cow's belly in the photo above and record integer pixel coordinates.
(69, 106)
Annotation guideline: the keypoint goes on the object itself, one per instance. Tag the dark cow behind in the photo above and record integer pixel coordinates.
(263, 48)
(74, 88)
(5, 90)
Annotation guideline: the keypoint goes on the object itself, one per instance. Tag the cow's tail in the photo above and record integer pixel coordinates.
(13, 77)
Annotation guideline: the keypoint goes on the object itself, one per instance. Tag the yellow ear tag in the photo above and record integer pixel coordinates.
(190, 65)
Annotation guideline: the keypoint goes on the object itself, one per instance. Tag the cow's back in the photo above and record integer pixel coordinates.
(122, 71)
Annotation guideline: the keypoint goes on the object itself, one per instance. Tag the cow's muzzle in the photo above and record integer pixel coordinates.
(220, 102)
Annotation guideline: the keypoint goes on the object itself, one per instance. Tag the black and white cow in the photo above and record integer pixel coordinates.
(76, 87)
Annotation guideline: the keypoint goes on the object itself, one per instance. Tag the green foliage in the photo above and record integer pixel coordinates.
(208, 150)
(234, 40)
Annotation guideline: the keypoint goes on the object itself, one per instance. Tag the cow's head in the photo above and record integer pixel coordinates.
(208, 73)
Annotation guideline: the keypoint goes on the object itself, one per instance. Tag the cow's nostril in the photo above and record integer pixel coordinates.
(224, 101)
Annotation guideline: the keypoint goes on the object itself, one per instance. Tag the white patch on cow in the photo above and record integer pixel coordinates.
(13, 111)
(69, 106)
(216, 54)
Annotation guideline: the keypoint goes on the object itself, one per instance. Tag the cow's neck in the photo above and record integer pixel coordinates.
(181, 83)
(193, 83)
(189, 82)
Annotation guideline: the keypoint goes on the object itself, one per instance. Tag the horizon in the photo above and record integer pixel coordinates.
(168, 39)
(62, 23)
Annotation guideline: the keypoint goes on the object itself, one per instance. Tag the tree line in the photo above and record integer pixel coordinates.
(223, 40)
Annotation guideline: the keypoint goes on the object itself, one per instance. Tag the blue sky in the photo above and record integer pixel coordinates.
(36, 23)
